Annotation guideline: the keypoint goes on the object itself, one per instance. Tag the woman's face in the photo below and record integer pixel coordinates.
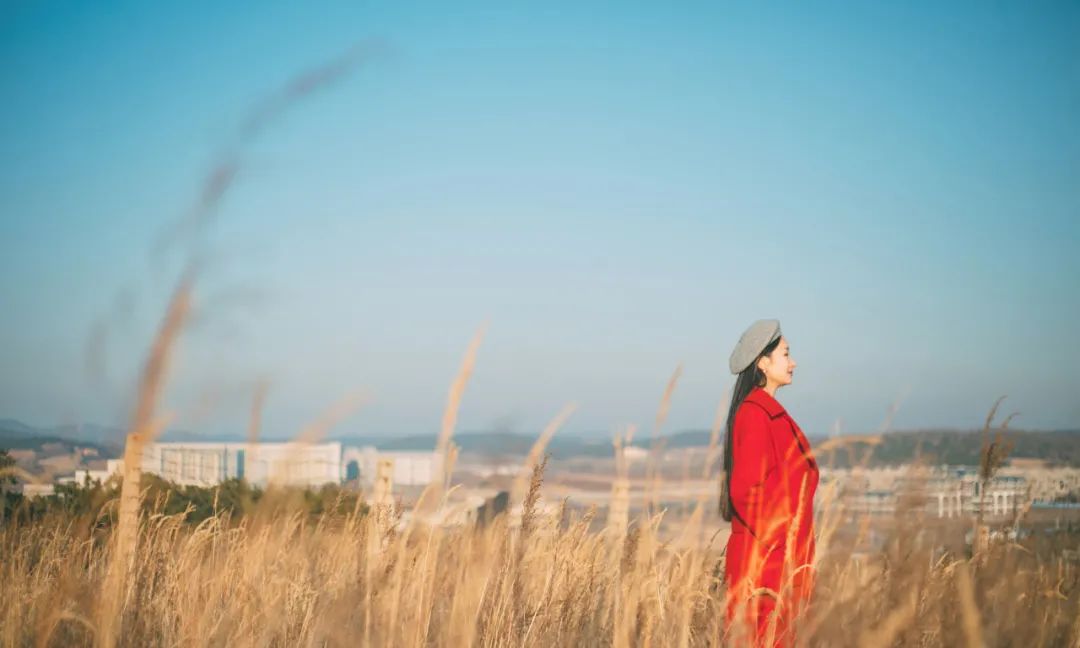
(778, 366)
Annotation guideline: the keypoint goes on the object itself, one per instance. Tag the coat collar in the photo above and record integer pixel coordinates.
(761, 398)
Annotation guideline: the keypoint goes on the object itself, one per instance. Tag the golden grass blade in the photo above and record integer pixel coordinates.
(143, 429)
(432, 496)
(538, 448)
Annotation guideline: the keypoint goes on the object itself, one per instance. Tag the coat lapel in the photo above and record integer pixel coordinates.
(761, 398)
(775, 410)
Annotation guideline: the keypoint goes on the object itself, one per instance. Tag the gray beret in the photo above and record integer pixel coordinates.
(753, 341)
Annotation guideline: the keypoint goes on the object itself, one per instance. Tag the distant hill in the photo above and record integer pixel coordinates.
(937, 445)
(16, 434)
(494, 443)
(53, 452)
(19, 436)
(957, 447)
(963, 447)
(12, 426)
(960, 447)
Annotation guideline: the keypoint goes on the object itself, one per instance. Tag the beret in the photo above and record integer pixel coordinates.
(753, 341)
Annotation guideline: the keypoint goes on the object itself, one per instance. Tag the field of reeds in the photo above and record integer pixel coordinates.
(134, 572)
(278, 576)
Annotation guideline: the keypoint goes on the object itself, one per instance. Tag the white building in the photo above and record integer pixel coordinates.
(411, 468)
(293, 464)
(37, 490)
(946, 491)
(112, 467)
(208, 463)
(959, 492)
(1049, 484)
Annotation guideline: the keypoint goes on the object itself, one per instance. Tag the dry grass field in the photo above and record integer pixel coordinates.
(279, 578)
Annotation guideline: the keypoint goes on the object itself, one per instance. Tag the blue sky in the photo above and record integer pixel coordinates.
(614, 188)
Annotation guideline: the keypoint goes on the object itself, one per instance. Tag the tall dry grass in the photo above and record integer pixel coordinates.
(278, 578)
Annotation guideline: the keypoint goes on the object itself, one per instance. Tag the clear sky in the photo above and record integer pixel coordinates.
(614, 188)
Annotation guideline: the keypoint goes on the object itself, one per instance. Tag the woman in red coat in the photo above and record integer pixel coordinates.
(770, 480)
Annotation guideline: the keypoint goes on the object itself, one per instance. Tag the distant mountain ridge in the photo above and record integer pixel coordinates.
(19, 436)
(964, 447)
(939, 445)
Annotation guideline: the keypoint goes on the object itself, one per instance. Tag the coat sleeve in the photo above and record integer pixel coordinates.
(754, 460)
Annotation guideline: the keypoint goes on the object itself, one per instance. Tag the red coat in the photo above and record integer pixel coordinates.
(773, 480)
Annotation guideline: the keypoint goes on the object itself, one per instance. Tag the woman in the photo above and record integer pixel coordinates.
(770, 476)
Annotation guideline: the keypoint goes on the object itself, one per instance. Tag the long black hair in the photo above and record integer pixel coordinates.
(748, 379)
